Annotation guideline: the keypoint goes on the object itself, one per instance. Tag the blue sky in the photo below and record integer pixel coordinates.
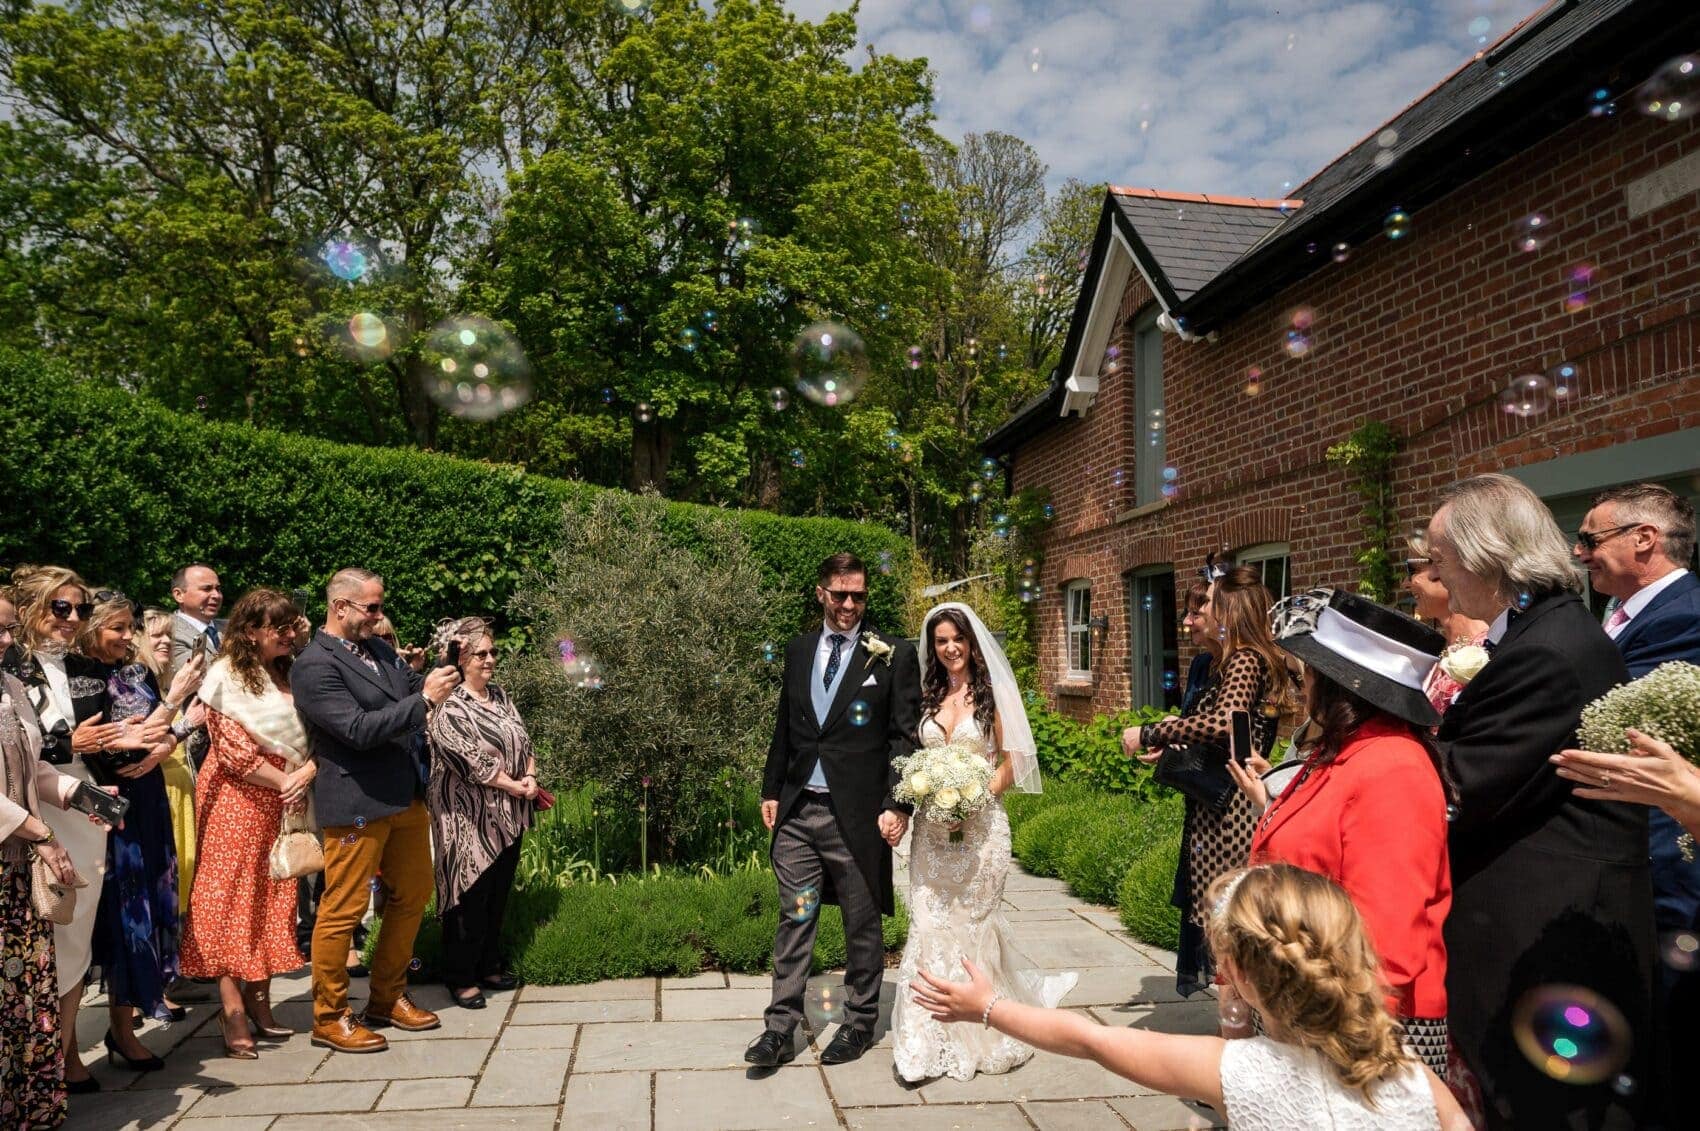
(1217, 96)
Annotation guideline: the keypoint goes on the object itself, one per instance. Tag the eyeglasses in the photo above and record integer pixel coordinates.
(64, 609)
(1414, 566)
(1590, 540)
(371, 610)
(846, 596)
(482, 654)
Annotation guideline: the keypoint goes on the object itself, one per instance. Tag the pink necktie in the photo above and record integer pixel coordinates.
(1616, 621)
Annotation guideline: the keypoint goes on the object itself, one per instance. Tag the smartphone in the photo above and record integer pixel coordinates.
(451, 656)
(199, 647)
(108, 807)
(1241, 722)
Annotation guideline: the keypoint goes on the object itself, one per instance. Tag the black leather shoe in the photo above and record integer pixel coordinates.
(476, 1001)
(771, 1049)
(847, 1044)
(498, 982)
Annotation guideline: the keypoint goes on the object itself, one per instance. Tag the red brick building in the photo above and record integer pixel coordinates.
(1507, 274)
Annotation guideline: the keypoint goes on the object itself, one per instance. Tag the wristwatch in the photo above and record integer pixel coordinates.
(48, 839)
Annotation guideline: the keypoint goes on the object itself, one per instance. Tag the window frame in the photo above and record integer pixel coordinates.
(1262, 552)
(1077, 629)
(1150, 444)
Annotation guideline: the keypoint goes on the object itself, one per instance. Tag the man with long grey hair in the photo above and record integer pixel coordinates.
(1551, 894)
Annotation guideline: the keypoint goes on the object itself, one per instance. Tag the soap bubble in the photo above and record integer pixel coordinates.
(364, 338)
(1147, 603)
(350, 259)
(976, 490)
(804, 904)
(1397, 225)
(769, 652)
(688, 339)
(374, 884)
(798, 459)
(778, 399)
(914, 357)
(1170, 681)
(620, 315)
(1342, 252)
(1049, 511)
(1530, 234)
(1564, 379)
(1451, 813)
(629, 7)
(201, 402)
(582, 672)
(414, 964)
(360, 822)
(1680, 950)
(1035, 60)
(1571, 1033)
(1578, 285)
(830, 363)
(1524, 600)
(860, 713)
(885, 562)
(824, 1005)
(1600, 104)
(1235, 1013)
(1526, 396)
(1154, 427)
(1253, 382)
(1296, 338)
(989, 469)
(478, 370)
(1478, 29)
(1387, 138)
(1672, 94)
(350, 839)
(607, 395)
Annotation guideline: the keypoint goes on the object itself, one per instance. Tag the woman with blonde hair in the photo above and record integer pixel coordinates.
(1251, 676)
(241, 919)
(1293, 947)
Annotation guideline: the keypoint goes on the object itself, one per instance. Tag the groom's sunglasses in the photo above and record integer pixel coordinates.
(842, 596)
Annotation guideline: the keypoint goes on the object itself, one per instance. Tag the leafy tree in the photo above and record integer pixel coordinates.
(1053, 268)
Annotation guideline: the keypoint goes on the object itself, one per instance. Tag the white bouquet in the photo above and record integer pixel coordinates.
(945, 783)
(1664, 703)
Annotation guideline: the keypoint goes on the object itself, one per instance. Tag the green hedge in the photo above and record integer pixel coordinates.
(662, 925)
(1090, 753)
(1112, 835)
(125, 491)
(1142, 900)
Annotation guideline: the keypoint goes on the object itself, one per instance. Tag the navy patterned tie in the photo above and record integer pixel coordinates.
(837, 639)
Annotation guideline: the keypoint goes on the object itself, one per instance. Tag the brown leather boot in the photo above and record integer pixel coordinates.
(345, 1034)
(403, 1014)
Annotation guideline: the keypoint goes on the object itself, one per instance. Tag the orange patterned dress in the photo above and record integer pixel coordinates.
(241, 921)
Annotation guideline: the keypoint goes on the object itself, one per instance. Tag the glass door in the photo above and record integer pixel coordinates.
(1154, 648)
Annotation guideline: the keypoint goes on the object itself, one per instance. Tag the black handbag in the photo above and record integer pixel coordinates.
(1197, 769)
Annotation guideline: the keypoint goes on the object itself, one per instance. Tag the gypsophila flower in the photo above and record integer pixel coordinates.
(1664, 703)
(944, 783)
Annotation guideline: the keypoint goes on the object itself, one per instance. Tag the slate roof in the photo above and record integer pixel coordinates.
(1191, 238)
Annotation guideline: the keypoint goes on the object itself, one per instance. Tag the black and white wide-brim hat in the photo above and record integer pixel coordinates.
(1378, 654)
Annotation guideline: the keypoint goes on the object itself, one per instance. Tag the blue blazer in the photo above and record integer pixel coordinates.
(1668, 629)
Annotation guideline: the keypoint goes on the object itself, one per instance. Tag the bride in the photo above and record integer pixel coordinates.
(968, 694)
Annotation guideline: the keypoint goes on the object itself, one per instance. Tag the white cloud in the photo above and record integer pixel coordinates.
(1240, 96)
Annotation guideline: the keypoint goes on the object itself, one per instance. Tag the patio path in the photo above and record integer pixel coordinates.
(653, 1054)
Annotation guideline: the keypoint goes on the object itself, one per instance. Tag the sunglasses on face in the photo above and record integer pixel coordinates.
(1414, 566)
(482, 654)
(64, 609)
(846, 596)
(1590, 540)
(371, 610)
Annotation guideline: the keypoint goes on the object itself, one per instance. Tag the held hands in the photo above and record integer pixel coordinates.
(953, 1001)
(297, 782)
(892, 826)
(156, 755)
(770, 814)
(439, 683)
(93, 735)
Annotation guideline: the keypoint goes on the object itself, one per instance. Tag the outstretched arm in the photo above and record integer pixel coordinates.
(1178, 1065)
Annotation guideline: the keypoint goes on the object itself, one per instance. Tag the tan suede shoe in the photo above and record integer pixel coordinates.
(403, 1014)
(345, 1034)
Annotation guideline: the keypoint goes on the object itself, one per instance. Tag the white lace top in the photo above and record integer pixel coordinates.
(1269, 1086)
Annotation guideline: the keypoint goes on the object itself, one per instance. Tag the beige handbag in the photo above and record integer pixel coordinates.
(296, 852)
(50, 899)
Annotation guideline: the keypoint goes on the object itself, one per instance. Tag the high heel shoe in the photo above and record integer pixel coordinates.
(114, 1054)
(236, 1052)
(272, 1032)
(88, 1085)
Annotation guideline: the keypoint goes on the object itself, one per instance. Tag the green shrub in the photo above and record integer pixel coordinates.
(668, 925)
(1113, 833)
(1046, 836)
(1091, 753)
(1143, 897)
(125, 491)
(1019, 807)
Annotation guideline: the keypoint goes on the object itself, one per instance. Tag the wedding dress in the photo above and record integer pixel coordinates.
(954, 895)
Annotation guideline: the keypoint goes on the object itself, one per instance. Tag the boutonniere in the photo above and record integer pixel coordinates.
(1464, 661)
(877, 648)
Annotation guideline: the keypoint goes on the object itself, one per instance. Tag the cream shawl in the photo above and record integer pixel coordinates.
(269, 717)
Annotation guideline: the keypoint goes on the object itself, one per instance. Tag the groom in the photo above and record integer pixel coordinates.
(849, 702)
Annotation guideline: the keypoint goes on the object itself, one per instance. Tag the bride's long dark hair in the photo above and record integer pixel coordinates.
(935, 684)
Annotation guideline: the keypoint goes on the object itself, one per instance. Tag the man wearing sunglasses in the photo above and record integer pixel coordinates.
(849, 702)
(362, 708)
(199, 597)
(1636, 544)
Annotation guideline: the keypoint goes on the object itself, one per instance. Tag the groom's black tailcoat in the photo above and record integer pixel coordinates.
(857, 759)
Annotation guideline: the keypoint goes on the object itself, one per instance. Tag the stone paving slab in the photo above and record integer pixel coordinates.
(538, 1037)
(1074, 1115)
(869, 1082)
(346, 1095)
(425, 1095)
(522, 1077)
(1118, 985)
(953, 1117)
(620, 989)
(1165, 1113)
(616, 1101)
(711, 1005)
(572, 1012)
(228, 1123)
(1038, 899)
(622, 1046)
(733, 1101)
(1046, 1077)
(407, 1060)
(452, 1119)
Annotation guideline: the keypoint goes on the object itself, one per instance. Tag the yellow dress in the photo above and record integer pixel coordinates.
(180, 792)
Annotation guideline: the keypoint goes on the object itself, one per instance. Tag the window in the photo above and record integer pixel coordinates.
(1148, 455)
(1079, 640)
(1273, 562)
(1155, 653)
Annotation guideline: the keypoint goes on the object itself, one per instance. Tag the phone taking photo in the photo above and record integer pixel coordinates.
(199, 648)
(93, 800)
(1241, 723)
(451, 655)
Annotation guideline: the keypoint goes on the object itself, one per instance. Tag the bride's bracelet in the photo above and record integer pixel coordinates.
(986, 1017)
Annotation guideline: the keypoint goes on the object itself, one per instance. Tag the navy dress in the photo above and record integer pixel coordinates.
(135, 928)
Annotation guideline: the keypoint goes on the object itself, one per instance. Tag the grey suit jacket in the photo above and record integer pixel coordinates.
(183, 637)
(361, 723)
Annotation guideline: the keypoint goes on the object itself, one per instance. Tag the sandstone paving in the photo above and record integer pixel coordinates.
(652, 1054)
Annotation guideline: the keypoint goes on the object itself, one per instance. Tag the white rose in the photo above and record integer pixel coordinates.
(971, 791)
(920, 784)
(1464, 664)
(947, 799)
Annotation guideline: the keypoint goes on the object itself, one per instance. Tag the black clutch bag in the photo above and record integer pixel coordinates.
(1199, 770)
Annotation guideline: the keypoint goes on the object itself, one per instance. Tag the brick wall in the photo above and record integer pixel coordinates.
(1422, 333)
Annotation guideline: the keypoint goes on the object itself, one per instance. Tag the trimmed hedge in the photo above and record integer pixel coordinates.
(125, 491)
(1046, 836)
(1112, 835)
(665, 925)
(1142, 900)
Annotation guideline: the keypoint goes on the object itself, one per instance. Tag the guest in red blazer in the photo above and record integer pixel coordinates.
(1368, 808)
